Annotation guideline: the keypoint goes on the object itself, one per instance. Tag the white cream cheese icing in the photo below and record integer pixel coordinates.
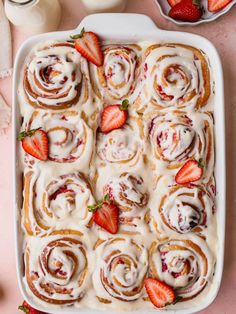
(85, 164)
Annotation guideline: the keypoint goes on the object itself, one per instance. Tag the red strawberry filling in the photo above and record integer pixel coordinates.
(163, 95)
(61, 190)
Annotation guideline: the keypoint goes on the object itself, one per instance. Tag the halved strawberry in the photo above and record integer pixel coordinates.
(35, 143)
(191, 171)
(114, 116)
(159, 293)
(217, 5)
(172, 3)
(88, 45)
(26, 308)
(105, 214)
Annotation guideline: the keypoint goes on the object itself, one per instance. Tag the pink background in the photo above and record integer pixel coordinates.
(223, 35)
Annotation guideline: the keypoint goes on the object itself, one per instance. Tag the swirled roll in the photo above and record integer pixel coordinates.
(116, 79)
(182, 209)
(123, 145)
(70, 139)
(186, 264)
(127, 191)
(56, 269)
(120, 270)
(176, 137)
(50, 204)
(174, 75)
(53, 76)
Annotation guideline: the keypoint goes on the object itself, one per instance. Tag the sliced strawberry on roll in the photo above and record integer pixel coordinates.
(105, 215)
(190, 172)
(35, 143)
(88, 45)
(114, 116)
(217, 5)
(160, 294)
(26, 308)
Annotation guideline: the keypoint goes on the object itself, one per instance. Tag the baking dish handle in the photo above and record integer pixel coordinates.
(105, 22)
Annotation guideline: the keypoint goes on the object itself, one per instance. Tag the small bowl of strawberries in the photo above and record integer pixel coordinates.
(193, 12)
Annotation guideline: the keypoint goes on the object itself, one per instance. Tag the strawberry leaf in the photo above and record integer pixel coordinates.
(94, 207)
(24, 134)
(177, 299)
(23, 308)
(106, 198)
(78, 35)
(196, 2)
(201, 163)
(124, 105)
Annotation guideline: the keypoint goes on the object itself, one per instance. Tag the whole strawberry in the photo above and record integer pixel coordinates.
(186, 10)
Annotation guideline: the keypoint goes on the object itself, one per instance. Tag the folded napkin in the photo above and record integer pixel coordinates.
(6, 45)
(5, 115)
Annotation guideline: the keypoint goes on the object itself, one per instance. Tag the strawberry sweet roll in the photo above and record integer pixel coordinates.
(56, 269)
(54, 77)
(182, 209)
(70, 138)
(116, 79)
(128, 192)
(121, 266)
(55, 204)
(122, 146)
(174, 75)
(177, 136)
(184, 263)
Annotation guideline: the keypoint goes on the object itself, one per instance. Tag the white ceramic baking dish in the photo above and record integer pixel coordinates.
(130, 28)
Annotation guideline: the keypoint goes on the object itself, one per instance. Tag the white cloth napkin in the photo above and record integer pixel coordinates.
(5, 115)
(5, 65)
(5, 44)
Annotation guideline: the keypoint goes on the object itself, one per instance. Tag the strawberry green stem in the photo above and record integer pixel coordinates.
(177, 299)
(24, 134)
(124, 105)
(78, 35)
(23, 308)
(94, 207)
(201, 163)
(196, 2)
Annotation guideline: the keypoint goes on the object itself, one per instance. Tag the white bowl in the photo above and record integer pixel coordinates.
(206, 17)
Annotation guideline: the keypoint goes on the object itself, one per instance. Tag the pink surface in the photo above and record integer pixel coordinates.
(223, 35)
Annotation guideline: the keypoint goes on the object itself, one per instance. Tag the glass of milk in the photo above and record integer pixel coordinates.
(34, 16)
